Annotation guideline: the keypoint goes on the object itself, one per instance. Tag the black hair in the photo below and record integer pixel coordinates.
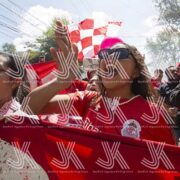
(167, 71)
(19, 92)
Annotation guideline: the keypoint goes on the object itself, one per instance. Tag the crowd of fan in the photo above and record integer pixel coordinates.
(133, 91)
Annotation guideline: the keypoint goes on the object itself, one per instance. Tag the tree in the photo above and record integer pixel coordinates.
(34, 56)
(9, 48)
(46, 40)
(166, 46)
(169, 13)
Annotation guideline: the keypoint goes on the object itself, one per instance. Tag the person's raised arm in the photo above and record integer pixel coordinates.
(41, 96)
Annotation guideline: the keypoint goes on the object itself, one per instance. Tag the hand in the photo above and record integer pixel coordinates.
(173, 111)
(66, 48)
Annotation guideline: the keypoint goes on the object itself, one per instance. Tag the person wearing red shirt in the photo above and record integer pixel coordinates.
(120, 107)
(157, 78)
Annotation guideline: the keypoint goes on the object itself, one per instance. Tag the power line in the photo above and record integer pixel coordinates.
(35, 26)
(22, 9)
(1, 32)
(13, 28)
(12, 25)
(9, 27)
(8, 19)
(15, 4)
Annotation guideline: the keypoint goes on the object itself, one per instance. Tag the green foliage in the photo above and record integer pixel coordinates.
(166, 46)
(34, 56)
(169, 12)
(46, 40)
(9, 48)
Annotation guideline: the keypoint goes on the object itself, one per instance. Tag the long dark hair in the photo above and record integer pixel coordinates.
(140, 85)
(22, 90)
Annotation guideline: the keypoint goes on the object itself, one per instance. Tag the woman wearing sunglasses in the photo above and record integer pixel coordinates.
(120, 107)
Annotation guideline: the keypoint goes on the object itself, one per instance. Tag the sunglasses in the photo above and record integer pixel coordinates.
(119, 53)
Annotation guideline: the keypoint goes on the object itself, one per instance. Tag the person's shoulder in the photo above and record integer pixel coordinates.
(143, 104)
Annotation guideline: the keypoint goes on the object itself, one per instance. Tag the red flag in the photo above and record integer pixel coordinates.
(66, 153)
(43, 73)
(88, 35)
(40, 73)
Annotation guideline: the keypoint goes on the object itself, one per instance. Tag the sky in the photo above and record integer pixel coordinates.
(29, 18)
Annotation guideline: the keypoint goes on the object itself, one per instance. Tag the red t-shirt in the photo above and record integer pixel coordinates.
(133, 118)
